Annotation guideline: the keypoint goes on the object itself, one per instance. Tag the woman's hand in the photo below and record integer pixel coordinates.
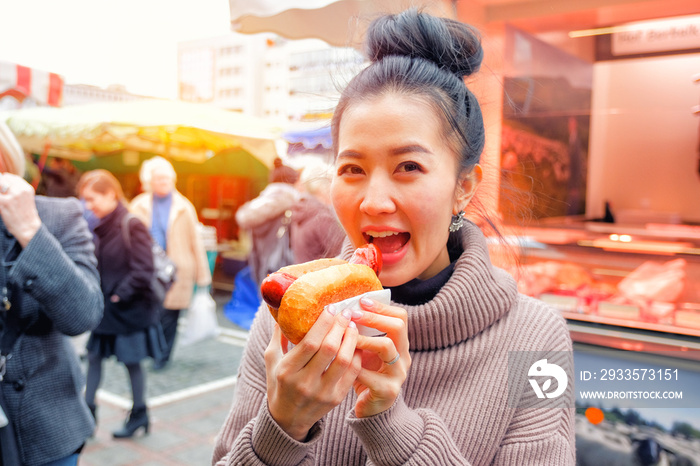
(18, 209)
(385, 360)
(308, 381)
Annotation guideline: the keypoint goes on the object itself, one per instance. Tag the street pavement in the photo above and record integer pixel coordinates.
(188, 402)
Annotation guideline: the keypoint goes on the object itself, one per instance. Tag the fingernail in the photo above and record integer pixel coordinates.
(346, 314)
(356, 313)
(366, 301)
(332, 309)
(352, 324)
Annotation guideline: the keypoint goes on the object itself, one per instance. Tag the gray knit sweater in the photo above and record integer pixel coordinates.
(455, 406)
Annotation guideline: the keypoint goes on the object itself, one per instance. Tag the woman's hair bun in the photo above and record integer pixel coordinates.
(450, 44)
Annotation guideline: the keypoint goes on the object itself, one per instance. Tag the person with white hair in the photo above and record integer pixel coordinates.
(49, 288)
(172, 221)
(315, 229)
(315, 178)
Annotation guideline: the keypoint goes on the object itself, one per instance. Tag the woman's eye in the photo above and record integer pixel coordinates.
(350, 170)
(409, 167)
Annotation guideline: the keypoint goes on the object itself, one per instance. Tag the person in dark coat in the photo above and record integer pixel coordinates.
(49, 289)
(58, 178)
(128, 329)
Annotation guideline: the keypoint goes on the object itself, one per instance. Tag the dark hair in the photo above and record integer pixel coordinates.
(414, 53)
(100, 181)
(418, 54)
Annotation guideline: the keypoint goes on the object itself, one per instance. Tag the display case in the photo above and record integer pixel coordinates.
(633, 287)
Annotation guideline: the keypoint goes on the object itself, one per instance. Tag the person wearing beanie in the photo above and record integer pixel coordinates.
(266, 218)
(282, 173)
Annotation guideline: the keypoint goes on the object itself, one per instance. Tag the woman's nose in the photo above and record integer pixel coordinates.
(378, 197)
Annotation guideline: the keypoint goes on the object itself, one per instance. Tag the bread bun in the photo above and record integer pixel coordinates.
(306, 298)
(298, 270)
(297, 294)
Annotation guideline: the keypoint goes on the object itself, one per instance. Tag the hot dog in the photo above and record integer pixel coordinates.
(297, 294)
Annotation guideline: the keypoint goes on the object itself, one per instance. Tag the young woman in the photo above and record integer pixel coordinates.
(448, 384)
(128, 329)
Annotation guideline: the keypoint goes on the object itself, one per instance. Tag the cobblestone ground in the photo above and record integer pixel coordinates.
(191, 366)
(188, 402)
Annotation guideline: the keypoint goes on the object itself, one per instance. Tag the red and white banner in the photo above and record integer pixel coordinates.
(21, 82)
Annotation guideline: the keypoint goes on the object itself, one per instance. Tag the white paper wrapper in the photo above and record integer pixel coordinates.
(380, 296)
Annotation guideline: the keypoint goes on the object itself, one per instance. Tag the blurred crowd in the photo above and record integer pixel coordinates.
(105, 247)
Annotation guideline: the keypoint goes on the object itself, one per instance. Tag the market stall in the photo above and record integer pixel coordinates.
(221, 157)
(619, 286)
(313, 141)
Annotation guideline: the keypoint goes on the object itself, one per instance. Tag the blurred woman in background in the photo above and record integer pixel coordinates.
(128, 329)
(172, 221)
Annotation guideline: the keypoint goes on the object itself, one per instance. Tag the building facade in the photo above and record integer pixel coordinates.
(266, 76)
(79, 94)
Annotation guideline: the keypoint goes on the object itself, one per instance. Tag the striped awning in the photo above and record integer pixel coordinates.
(22, 83)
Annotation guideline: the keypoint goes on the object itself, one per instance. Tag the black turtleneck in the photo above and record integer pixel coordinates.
(417, 291)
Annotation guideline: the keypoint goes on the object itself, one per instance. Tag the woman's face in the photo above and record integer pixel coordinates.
(395, 185)
(100, 204)
(162, 182)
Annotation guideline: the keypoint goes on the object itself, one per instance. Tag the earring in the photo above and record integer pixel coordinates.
(457, 221)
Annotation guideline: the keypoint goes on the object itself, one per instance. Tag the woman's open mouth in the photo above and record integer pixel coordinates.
(390, 243)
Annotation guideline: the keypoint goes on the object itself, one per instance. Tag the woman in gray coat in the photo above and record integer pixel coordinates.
(49, 289)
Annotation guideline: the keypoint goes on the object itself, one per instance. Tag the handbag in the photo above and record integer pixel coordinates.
(201, 318)
(163, 267)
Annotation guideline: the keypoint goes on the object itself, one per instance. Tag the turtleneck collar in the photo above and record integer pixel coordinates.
(475, 296)
(419, 291)
(108, 221)
(162, 199)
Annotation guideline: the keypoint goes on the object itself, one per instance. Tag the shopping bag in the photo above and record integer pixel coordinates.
(245, 300)
(201, 318)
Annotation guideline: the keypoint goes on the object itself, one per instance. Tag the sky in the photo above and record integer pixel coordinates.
(103, 42)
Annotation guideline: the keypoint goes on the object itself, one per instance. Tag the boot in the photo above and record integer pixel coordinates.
(138, 417)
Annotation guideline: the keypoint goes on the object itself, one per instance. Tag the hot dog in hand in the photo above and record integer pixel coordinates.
(297, 294)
